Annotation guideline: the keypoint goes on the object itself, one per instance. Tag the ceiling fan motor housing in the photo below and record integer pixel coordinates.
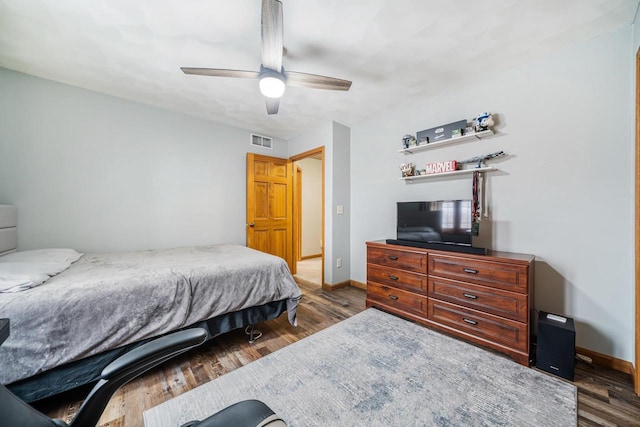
(272, 83)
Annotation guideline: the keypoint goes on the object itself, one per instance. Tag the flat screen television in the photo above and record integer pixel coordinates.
(446, 222)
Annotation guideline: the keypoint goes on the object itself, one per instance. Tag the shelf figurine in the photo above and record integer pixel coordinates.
(407, 169)
(480, 159)
(408, 141)
(483, 122)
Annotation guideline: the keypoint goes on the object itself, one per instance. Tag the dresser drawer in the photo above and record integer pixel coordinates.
(482, 325)
(401, 300)
(412, 282)
(511, 277)
(495, 301)
(400, 259)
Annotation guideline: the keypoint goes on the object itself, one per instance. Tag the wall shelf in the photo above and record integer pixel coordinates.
(457, 172)
(450, 141)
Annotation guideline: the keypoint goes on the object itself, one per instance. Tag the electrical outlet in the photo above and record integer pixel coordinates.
(339, 262)
(340, 209)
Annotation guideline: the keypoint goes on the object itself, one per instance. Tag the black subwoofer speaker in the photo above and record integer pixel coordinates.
(556, 345)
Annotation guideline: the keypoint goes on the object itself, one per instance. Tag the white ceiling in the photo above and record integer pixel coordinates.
(394, 51)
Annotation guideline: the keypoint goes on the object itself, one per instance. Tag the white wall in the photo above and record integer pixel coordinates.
(99, 173)
(341, 196)
(335, 138)
(636, 31)
(564, 194)
(311, 206)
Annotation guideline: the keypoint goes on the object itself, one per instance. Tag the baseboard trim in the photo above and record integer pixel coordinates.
(358, 285)
(310, 256)
(608, 361)
(328, 287)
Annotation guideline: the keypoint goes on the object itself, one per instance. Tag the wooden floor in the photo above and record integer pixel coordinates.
(605, 397)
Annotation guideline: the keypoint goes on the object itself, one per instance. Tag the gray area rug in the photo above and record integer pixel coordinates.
(375, 369)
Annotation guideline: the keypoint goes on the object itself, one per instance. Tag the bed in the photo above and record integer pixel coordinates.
(66, 329)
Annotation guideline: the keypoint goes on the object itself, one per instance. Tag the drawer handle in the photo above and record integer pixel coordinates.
(393, 257)
(393, 277)
(393, 297)
(472, 322)
(471, 296)
(470, 270)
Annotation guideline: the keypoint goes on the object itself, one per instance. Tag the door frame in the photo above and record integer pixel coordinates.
(297, 213)
(636, 373)
(315, 152)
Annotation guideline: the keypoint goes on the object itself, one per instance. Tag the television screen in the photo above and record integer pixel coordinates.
(441, 221)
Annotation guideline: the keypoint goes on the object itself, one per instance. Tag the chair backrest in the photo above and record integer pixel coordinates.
(14, 412)
(129, 366)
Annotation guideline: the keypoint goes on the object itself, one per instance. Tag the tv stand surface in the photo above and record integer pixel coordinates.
(487, 299)
(451, 247)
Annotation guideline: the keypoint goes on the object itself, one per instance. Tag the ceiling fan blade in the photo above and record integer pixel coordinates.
(316, 81)
(272, 105)
(220, 72)
(272, 34)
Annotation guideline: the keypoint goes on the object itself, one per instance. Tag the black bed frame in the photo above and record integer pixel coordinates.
(87, 371)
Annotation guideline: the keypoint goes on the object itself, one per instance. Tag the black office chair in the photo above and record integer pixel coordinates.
(248, 413)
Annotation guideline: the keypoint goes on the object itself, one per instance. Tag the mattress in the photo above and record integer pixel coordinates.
(106, 301)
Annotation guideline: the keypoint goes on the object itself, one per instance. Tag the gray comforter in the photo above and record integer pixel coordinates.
(104, 301)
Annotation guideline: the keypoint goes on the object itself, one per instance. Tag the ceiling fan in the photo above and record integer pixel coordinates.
(272, 76)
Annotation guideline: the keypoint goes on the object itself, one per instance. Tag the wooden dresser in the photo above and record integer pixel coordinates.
(485, 299)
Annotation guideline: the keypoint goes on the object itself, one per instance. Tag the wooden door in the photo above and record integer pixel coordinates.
(270, 206)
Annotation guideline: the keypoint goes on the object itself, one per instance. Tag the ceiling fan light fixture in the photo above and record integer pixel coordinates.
(272, 78)
(271, 84)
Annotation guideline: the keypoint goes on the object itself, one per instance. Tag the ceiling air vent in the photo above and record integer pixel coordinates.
(261, 141)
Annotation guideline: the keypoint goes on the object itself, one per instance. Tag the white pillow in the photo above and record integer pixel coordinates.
(23, 270)
(18, 285)
(20, 268)
(59, 255)
(19, 276)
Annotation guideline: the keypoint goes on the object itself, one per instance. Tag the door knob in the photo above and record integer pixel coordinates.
(251, 224)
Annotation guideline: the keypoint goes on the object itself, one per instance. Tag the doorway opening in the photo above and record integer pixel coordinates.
(308, 215)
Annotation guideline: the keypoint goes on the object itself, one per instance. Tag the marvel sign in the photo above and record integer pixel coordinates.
(440, 167)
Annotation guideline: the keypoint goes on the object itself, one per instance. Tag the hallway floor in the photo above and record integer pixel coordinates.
(310, 270)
